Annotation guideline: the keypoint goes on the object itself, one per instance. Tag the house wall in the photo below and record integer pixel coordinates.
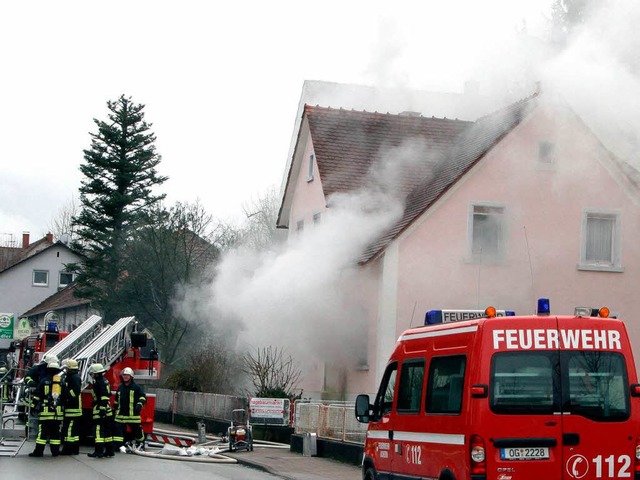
(17, 292)
(429, 266)
(544, 209)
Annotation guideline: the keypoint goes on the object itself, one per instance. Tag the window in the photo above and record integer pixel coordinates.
(317, 217)
(487, 232)
(410, 386)
(600, 241)
(384, 399)
(444, 388)
(310, 171)
(41, 278)
(65, 279)
(300, 226)
(523, 383)
(592, 384)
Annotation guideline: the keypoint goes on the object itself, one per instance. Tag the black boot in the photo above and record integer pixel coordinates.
(109, 453)
(75, 450)
(55, 450)
(38, 451)
(98, 453)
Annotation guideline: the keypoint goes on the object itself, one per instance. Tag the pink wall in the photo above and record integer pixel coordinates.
(548, 203)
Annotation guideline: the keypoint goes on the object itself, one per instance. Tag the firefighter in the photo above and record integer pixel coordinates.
(72, 401)
(102, 414)
(47, 403)
(129, 402)
(35, 373)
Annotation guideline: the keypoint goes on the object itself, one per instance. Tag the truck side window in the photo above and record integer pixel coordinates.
(384, 399)
(410, 386)
(444, 387)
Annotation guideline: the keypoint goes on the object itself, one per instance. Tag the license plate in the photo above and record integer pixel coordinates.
(524, 453)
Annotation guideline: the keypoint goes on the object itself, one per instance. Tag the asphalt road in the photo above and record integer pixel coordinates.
(121, 467)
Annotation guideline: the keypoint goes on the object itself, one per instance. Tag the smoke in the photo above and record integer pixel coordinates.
(597, 74)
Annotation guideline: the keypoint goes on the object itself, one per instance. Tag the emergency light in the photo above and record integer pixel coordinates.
(543, 306)
(52, 327)
(434, 317)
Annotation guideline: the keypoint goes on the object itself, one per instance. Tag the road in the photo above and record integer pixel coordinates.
(122, 467)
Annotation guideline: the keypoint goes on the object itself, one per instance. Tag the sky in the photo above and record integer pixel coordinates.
(221, 82)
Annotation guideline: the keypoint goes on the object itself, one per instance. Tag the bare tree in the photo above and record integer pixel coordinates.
(259, 230)
(272, 373)
(61, 223)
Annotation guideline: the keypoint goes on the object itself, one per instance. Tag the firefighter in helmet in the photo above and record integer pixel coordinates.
(102, 414)
(129, 402)
(72, 401)
(38, 370)
(48, 404)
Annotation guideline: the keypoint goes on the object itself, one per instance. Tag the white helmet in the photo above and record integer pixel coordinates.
(49, 357)
(72, 364)
(127, 371)
(97, 368)
(53, 366)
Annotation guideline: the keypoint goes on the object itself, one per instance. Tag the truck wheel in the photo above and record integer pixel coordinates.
(369, 474)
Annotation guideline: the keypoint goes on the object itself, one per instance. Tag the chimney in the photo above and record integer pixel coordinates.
(49, 237)
(25, 239)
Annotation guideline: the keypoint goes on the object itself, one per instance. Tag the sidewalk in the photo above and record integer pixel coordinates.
(283, 463)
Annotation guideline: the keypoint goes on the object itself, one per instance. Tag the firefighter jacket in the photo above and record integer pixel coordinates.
(48, 405)
(129, 402)
(101, 396)
(34, 374)
(72, 390)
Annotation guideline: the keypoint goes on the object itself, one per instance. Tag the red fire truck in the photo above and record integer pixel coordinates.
(115, 346)
(506, 397)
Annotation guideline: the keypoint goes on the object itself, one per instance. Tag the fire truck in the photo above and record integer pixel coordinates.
(115, 346)
(490, 395)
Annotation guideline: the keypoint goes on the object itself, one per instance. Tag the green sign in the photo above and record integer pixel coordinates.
(22, 329)
(6, 325)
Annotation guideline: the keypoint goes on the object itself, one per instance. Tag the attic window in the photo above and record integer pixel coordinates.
(41, 278)
(310, 171)
(317, 217)
(486, 224)
(300, 226)
(546, 152)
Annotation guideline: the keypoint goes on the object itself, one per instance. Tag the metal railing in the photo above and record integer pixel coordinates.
(332, 420)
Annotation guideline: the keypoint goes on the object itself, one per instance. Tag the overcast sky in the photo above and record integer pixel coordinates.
(220, 80)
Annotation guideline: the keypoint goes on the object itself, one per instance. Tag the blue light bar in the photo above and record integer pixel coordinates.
(543, 306)
(52, 326)
(435, 317)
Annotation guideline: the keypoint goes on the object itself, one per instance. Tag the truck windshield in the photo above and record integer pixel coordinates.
(587, 383)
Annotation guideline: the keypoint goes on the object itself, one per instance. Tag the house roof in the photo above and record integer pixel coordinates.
(469, 147)
(12, 256)
(349, 144)
(61, 299)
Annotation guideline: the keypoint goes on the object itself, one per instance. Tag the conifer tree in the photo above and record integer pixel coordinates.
(119, 172)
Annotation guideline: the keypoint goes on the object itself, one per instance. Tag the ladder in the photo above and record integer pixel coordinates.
(70, 345)
(106, 348)
(13, 428)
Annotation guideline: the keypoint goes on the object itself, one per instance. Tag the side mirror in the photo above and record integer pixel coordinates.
(363, 408)
(635, 390)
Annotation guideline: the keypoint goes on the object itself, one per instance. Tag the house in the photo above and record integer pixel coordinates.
(33, 272)
(70, 310)
(525, 202)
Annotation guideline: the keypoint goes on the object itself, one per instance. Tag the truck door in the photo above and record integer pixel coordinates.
(598, 437)
(524, 430)
(380, 434)
(408, 454)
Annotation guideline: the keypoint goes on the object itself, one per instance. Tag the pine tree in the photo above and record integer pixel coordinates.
(115, 193)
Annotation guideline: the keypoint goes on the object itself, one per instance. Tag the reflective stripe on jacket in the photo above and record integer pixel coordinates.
(127, 398)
